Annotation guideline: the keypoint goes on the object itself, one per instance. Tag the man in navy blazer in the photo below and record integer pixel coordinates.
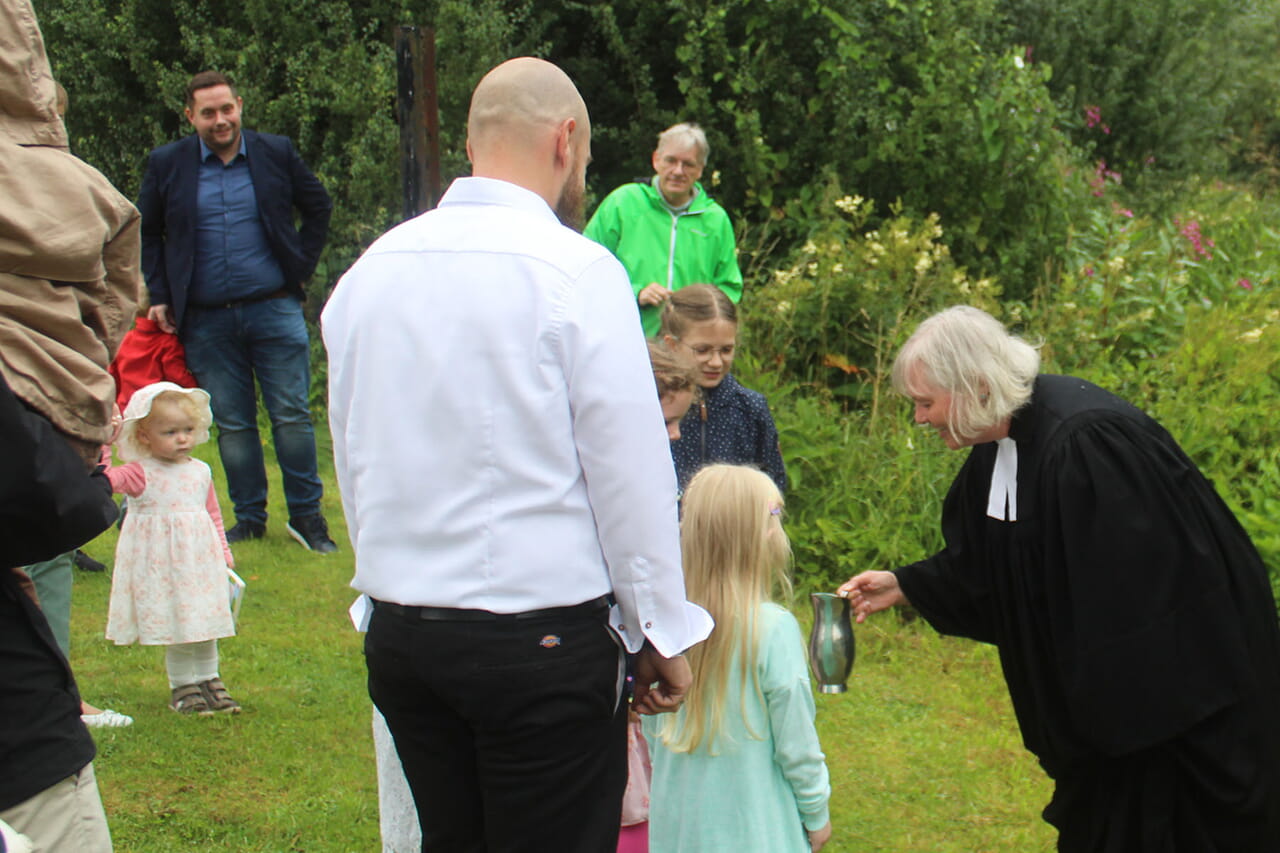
(225, 267)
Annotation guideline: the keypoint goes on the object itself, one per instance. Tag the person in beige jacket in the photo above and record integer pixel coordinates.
(70, 251)
(69, 283)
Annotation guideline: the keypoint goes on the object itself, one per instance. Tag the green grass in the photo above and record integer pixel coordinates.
(923, 748)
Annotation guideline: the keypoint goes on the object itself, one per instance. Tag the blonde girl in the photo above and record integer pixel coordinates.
(739, 766)
(729, 423)
(170, 583)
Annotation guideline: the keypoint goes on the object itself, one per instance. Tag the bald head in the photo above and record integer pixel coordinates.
(528, 126)
(519, 103)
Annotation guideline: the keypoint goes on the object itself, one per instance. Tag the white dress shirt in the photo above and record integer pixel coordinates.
(497, 435)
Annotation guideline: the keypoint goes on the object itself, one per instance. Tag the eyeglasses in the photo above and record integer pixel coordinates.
(706, 350)
(689, 165)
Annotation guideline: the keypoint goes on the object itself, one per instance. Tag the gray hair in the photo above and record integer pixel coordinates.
(969, 354)
(686, 133)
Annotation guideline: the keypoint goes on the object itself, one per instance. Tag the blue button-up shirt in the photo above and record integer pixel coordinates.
(233, 258)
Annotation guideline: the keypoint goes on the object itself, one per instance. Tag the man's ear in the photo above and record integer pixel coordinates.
(565, 137)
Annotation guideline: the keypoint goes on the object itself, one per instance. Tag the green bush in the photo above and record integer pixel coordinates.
(1174, 83)
(836, 313)
(1129, 279)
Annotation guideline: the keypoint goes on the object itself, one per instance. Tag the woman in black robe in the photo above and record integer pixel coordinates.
(1134, 618)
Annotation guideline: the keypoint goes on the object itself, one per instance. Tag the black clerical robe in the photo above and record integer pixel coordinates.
(1135, 623)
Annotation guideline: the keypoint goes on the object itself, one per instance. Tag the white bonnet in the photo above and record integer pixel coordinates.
(139, 407)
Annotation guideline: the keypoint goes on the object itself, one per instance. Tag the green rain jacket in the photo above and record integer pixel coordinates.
(656, 245)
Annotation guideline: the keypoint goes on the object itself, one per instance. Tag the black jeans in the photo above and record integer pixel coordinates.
(511, 732)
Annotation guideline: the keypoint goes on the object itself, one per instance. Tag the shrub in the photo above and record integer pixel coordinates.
(836, 313)
(1129, 279)
(1171, 80)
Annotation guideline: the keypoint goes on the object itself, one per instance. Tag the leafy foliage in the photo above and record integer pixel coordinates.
(1171, 81)
(837, 313)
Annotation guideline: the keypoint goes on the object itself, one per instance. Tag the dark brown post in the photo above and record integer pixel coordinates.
(416, 111)
(431, 115)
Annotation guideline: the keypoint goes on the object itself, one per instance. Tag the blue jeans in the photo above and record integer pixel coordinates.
(226, 349)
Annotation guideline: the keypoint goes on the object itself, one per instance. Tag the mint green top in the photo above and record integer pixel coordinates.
(655, 244)
(755, 794)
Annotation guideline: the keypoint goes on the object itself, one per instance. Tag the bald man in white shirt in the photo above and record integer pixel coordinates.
(508, 487)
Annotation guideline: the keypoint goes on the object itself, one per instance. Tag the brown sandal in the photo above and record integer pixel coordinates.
(217, 697)
(190, 699)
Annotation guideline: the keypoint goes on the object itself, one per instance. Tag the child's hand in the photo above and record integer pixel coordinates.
(117, 422)
(819, 837)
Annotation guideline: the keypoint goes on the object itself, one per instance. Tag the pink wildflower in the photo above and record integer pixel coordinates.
(1121, 211)
(1101, 174)
(1190, 230)
(1245, 284)
(1088, 271)
(1093, 118)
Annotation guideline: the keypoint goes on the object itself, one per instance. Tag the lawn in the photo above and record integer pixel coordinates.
(923, 748)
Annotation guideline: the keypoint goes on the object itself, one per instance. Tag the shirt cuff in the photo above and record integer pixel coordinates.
(817, 820)
(668, 640)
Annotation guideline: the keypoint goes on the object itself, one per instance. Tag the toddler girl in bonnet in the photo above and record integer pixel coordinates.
(170, 582)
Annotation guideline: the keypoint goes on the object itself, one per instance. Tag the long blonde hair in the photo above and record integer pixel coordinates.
(735, 556)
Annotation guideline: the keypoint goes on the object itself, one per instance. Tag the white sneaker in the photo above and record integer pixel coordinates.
(107, 719)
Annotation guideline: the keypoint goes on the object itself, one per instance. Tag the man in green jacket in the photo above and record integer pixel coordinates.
(667, 231)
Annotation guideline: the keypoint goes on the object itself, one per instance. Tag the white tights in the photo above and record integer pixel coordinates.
(191, 663)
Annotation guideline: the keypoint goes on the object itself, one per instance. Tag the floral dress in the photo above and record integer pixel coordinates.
(170, 580)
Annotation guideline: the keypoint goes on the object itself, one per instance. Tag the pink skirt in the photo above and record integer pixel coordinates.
(634, 838)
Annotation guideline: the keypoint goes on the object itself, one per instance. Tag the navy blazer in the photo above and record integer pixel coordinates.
(281, 182)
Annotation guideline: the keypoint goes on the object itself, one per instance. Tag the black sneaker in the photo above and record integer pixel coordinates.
(246, 530)
(313, 533)
(85, 563)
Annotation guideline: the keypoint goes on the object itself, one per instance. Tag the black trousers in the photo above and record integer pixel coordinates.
(511, 731)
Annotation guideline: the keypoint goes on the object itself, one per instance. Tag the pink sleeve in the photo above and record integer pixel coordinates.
(128, 479)
(211, 504)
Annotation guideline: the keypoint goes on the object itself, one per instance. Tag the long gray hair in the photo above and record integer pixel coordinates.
(971, 355)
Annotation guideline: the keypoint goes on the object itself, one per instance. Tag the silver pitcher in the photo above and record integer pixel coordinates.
(831, 646)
